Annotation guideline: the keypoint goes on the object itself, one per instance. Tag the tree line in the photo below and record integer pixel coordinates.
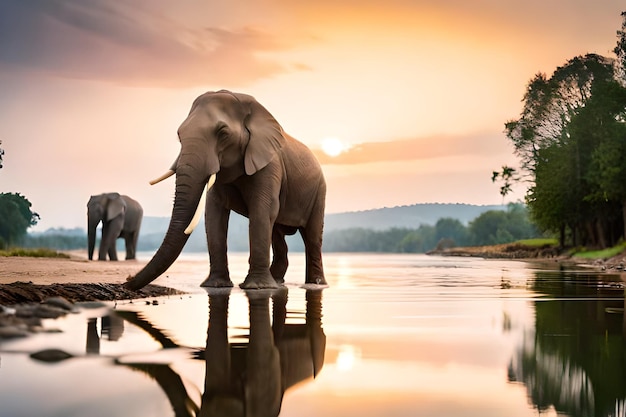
(489, 228)
(571, 143)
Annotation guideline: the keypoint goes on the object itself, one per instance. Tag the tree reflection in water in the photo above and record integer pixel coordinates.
(249, 378)
(573, 360)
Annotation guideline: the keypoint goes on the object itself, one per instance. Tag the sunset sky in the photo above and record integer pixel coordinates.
(415, 93)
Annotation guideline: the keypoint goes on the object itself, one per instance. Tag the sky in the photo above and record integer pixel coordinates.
(413, 94)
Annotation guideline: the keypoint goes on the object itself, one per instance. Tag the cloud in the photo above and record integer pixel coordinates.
(126, 43)
(437, 146)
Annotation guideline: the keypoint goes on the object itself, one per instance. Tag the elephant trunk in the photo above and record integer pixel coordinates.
(190, 184)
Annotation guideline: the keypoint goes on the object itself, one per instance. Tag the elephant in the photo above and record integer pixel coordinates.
(121, 217)
(231, 144)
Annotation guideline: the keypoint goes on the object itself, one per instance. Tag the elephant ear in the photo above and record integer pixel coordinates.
(116, 206)
(266, 135)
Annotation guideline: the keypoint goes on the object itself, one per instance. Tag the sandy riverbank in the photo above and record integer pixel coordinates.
(25, 279)
(76, 269)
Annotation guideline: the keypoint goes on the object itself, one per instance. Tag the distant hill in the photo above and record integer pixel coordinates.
(405, 216)
(411, 217)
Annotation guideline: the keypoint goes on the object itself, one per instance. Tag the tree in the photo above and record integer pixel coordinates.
(495, 226)
(1, 154)
(15, 218)
(508, 176)
(604, 117)
(564, 120)
(451, 230)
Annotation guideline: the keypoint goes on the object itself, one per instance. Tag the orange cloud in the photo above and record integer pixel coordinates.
(131, 45)
(418, 149)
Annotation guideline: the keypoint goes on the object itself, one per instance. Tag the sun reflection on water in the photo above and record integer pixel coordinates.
(346, 357)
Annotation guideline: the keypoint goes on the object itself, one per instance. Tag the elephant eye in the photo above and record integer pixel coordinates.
(223, 132)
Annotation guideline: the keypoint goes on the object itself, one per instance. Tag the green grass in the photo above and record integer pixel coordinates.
(33, 253)
(538, 242)
(601, 254)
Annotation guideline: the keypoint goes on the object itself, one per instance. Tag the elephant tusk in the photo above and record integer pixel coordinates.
(165, 176)
(196, 217)
(168, 174)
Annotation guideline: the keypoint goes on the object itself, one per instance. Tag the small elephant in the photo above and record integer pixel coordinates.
(258, 171)
(120, 216)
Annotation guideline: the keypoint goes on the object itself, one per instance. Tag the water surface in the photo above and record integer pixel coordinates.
(392, 335)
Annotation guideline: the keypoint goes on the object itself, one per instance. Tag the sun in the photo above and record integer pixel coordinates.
(333, 146)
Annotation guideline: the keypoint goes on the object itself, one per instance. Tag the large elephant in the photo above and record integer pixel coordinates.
(121, 218)
(258, 171)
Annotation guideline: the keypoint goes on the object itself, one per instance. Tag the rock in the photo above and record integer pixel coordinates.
(90, 305)
(11, 332)
(51, 355)
(45, 311)
(25, 310)
(60, 302)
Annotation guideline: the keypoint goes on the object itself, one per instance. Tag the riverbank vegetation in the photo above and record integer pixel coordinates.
(34, 253)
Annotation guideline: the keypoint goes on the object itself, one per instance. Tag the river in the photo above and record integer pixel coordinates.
(392, 335)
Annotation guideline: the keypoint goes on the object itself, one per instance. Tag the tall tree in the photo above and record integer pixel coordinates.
(555, 143)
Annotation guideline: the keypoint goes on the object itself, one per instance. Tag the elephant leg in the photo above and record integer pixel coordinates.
(280, 262)
(262, 191)
(260, 229)
(216, 225)
(130, 238)
(113, 230)
(312, 236)
(113, 251)
(107, 244)
(103, 251)
(133, 244)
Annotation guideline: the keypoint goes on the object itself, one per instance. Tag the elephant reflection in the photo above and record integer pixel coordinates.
(112, 327)
(251, 380)
(246, 379)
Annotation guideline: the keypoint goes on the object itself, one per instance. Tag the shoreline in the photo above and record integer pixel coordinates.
(28, 279)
